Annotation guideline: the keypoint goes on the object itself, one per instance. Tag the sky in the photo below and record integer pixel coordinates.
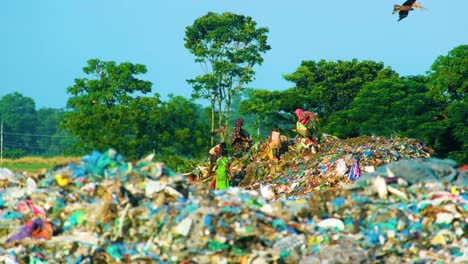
(45, 44)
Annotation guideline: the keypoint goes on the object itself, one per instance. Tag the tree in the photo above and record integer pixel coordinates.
(457, 113)
(448, 82)
(100, 116)
(449, 75)
(403, 107)
(326, 86)
(104, 115)
(390, 107)
(19, 122)
(227, 46)
(181, 131)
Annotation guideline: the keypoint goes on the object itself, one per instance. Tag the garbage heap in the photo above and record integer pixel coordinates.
(107, 210)
(304, 168)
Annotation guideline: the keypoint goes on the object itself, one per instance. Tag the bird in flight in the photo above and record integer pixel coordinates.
(403, 10)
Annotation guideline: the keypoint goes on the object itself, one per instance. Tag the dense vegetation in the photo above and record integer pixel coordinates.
(112, 108)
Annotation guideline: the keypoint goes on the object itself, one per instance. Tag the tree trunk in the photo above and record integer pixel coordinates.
(212, 122)
(220, 119)
(226, 121)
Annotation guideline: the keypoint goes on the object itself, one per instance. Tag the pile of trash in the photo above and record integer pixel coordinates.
(411, 208)
(303, 168)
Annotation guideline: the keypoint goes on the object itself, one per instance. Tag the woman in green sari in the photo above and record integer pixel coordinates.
(222, 171)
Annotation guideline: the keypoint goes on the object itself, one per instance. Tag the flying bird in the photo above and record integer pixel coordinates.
(403, 10)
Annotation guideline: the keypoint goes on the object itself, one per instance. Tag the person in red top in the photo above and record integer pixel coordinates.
(305, 116)
(307, 124)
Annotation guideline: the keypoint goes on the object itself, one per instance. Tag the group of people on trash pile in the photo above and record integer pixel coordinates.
(241, 141)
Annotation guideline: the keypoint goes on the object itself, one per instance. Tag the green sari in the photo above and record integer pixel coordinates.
(222, 178)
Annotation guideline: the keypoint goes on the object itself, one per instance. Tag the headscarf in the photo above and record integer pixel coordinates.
(302, 116)
(298, 112)
(305, 116)
(236, 133)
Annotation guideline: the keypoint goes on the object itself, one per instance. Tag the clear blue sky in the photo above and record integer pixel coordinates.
(45, 44)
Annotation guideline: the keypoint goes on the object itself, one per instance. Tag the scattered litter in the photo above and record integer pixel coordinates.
(305, 208)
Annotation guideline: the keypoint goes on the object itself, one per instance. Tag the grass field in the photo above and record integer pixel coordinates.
(35, 164)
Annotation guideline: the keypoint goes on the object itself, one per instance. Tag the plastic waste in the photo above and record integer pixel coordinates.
(152, 214)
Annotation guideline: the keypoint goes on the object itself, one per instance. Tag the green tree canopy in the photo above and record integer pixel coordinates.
(387, 107)
(448, 82)
(227, 46)
(182, 130)
(449, 75)
(100, 115)
(404, 107)
(105, 114)
(271, 107)
(458, 120)
(19, 117)
(327, 86)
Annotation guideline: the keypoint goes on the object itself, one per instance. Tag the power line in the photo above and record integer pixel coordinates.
(34, 143)
(35, 135)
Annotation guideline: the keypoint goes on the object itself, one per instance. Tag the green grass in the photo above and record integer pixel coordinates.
(35, 164)
(32, 168)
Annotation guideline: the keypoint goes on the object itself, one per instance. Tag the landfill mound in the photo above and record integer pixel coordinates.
(305, 167)
(409, 208)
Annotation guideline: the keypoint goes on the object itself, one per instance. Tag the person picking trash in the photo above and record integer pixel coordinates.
(241, 141)
(275, 142)
(221, 181)
(307, 124)
(215, 154)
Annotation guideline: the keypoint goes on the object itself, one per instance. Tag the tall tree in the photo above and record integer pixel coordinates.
(227, 46)
(100, 115)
